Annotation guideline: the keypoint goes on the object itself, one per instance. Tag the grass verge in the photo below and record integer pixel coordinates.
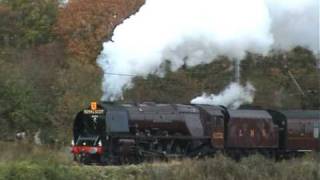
(24, 161)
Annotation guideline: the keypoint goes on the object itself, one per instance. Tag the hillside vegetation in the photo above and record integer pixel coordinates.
(48, 68)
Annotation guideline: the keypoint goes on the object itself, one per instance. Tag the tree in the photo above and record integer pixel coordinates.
(27, 23)
(85, 24)
(20, 109)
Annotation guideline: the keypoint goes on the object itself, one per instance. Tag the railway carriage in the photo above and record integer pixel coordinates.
(303, 129)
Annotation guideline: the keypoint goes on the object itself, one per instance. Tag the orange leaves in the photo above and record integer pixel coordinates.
(85, 24)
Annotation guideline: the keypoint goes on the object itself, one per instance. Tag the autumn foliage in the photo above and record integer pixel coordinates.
(85, 24)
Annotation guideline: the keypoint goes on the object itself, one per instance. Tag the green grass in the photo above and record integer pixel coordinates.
(31, 162)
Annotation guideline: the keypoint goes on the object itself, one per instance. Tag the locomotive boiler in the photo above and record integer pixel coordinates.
(111, 133)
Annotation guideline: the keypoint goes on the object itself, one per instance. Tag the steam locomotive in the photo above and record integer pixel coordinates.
(110, 133)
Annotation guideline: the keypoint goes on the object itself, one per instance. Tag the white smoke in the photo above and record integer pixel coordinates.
(232, 96)
(193, 32)
(295, 22)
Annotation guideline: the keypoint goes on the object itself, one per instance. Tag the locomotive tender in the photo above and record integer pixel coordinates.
(110, 133)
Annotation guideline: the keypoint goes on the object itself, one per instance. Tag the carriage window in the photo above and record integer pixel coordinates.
(316, 132)
(219, 122)
(212, 118)
(216, 121)
(316, 129)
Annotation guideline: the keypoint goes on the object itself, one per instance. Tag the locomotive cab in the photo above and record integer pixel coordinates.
(214, 119)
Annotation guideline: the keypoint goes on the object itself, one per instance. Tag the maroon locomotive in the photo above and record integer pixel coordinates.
(130, 133)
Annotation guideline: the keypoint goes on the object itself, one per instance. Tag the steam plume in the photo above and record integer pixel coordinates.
(193, 32)
(233, 96)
